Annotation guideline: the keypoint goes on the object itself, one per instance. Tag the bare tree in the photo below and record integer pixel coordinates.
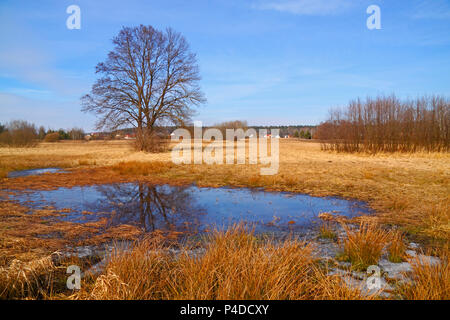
(19, 133)
(76, 134)
(150, 78)
(236, 124)
(388, 124)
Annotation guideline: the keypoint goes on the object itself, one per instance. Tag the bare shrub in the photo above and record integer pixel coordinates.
(387, 124)
(150, 141)
(19, 133)
(52, 137)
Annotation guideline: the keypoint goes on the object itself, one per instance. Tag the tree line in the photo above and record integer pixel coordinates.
(19, 133)
(388, 124)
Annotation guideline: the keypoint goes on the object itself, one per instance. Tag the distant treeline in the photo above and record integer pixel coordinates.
(19, 133)
(295, 131)
(388, 124)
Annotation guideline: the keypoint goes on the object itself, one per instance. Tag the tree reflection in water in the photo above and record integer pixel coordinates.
(150, 207)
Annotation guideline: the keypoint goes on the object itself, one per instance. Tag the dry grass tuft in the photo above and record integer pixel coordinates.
(397, 247)
(363, 247)
(26, 280)
(326, 231)
(431, 281)
(234, 265)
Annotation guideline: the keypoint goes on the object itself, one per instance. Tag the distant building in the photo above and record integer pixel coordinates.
(130, 136)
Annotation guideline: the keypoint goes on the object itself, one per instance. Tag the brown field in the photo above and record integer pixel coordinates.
(410, 191)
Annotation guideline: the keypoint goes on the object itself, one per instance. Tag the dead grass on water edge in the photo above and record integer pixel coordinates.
(233, 265)
(397, 247)
(326, 231)
(43, 278)
(364, 245)
(142, 168)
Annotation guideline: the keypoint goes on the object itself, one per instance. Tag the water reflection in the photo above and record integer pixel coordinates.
(189, 208)
(148, 206)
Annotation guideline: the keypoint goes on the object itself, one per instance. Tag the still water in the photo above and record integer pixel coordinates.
(32, 172)
(190, 208)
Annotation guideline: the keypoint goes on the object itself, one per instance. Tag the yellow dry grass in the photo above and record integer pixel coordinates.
(431, 280)
(363, 246)
(410, 190)
(235, 265)
(397, 247)
(34, 279)
(70, 154)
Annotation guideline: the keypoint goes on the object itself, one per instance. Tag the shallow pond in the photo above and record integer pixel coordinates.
(190, 208)
(33, 172)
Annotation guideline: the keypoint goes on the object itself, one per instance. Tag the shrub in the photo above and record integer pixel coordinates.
(52, 137)
(387, 124)
(19, 133)
(150, 142)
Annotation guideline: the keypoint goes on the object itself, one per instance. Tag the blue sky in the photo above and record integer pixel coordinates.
(269, 62)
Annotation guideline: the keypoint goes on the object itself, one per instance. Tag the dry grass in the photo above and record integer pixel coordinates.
(397, 247)
(70, 154)
(142, 168)
(408, 190)
(363, 247)
(27, 237)
(234, 265)
(43, 278)
(326, 231)
(23, 280)
(431, 280)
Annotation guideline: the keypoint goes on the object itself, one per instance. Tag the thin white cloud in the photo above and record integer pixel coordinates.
(306, 7)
